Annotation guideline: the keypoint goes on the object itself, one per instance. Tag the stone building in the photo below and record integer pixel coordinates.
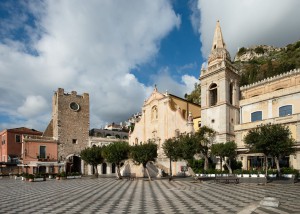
(70, 127)
(232, 111)
(164, 116)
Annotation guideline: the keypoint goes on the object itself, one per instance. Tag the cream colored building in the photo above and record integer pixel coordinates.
(274, 100)
(232, 111)
(164, 116)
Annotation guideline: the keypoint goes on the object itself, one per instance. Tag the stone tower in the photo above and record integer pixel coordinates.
(70, 122)
(220, 91)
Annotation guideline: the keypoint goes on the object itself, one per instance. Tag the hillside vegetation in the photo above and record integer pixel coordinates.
(259, 62)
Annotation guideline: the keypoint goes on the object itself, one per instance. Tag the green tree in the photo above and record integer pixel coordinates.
(116, 153)
(195, 95)
(172, 150)
(204, 137)
(188, 148)
(142, 154)
(218, 150)
(229, 151)
(271, 140)
(93, 156)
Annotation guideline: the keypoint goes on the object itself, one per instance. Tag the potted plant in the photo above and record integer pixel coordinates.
(246, 173)
(18, 177)
(238, 172)
(288, 172)
(77, 175)
(57, 176)
(253, 173)
(272, 173)
(63, 175)
(25, 176)
(31, 177)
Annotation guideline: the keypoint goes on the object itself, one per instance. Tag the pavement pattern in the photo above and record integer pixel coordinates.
(107, 195)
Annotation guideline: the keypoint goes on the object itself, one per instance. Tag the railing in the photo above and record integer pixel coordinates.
(38, 137)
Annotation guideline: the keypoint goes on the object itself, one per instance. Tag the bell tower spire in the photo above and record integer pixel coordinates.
(218, 50)
(218, 41)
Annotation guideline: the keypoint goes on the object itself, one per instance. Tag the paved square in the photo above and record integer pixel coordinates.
(107, 195)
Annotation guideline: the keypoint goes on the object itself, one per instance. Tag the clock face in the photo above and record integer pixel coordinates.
(74, 106)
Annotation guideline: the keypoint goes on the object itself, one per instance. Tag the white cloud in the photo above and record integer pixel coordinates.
(88, 47)
(189, 82)
(165, 82)
(249, 22)
(32, 106)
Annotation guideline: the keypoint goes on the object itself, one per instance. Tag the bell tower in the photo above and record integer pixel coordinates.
(220, 91)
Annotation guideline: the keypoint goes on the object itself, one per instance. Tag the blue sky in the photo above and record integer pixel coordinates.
(118, 50)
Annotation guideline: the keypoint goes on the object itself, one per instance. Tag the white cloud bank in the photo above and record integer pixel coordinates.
(249, 22)
(88, 47)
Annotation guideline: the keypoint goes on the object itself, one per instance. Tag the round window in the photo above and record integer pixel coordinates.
(74, 106)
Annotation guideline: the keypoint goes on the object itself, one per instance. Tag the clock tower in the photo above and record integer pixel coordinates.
(71, 123)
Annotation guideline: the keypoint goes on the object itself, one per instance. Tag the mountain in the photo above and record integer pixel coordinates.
(259, 62)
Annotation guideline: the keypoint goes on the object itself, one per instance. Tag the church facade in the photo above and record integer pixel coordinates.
(232, 110)
(164, 116)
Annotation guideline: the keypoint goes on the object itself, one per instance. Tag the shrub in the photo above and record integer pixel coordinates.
(241, 51)
(63, 174)
(259, 50)
(287, 170)
(30, 176)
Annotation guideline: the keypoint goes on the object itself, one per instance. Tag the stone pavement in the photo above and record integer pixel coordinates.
(107, 195)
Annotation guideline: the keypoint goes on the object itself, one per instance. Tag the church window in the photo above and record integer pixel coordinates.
(136, 141)
(231, 93)
(256, 116)
(285, 110)
(154, 113)
(213, 94)
(74, 141)
(177, 133)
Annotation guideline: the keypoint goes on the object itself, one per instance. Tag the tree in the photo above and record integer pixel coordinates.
(225, 150)
(93, 156)
(142, 154)
(195, 95)
(188, 148)
(229, 151)
(204, 137)
(271, 140)
(172, 150)
(184, 147)
(218, 150)
(115, 153)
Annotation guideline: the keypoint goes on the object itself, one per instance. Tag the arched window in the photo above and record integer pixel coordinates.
(256, 116)
(136, 141)
(213, 94)
(285, 110)
(154, 113)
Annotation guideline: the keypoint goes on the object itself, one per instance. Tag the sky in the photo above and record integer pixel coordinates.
(117, 51)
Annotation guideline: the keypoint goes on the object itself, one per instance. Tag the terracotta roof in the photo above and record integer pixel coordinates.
(25, 130)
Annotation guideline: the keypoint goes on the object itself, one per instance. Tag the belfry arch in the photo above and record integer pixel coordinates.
(213, 94)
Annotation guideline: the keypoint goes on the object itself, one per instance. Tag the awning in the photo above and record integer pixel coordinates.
(42, 164)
